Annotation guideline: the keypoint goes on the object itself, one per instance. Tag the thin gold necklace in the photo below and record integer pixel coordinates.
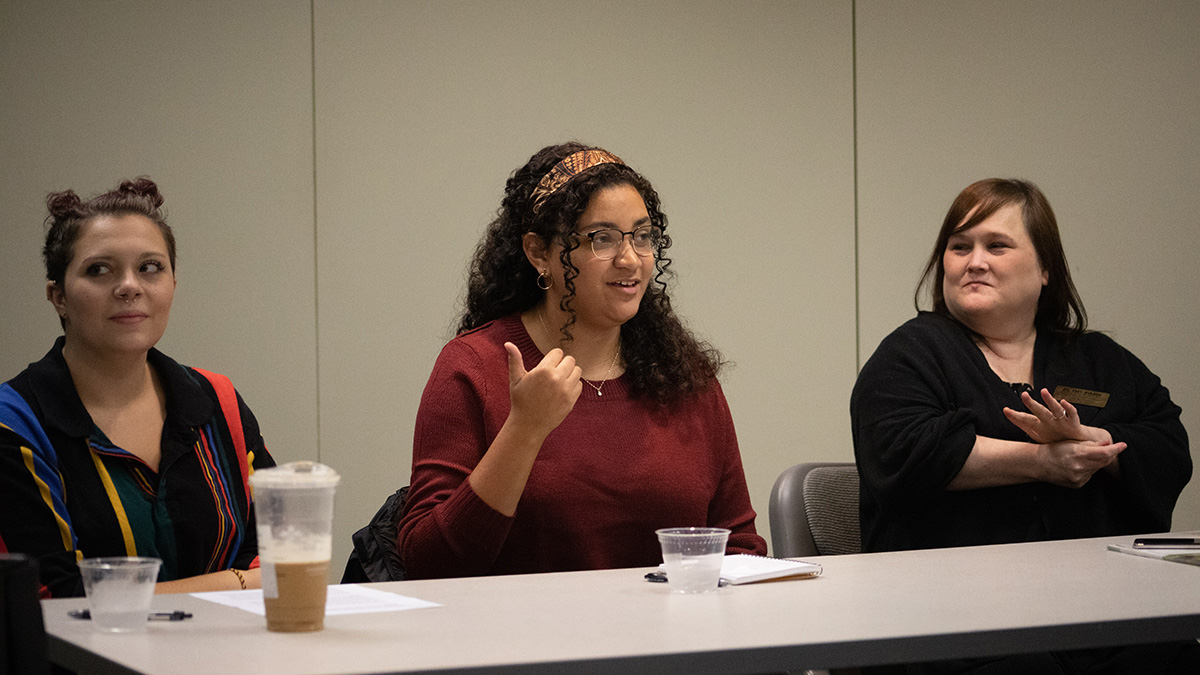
(616, 355)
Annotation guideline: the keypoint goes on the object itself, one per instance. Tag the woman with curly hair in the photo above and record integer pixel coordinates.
(109, 447)
(574, 414)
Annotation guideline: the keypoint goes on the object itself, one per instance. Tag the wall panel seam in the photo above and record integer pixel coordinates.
(312, 45)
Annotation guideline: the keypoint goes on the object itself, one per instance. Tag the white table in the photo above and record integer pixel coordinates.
(865, 610)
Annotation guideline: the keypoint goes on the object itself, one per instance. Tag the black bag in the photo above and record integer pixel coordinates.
(22, 632)
(374, 557)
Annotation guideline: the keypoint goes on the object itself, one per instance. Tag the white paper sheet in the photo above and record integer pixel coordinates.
(340, 599)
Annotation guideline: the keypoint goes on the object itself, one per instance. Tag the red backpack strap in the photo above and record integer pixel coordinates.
(227, 397)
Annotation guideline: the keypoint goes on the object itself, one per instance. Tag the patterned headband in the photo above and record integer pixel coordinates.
(571, 166)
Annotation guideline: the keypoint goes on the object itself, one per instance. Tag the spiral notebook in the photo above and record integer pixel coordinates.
(743, 568)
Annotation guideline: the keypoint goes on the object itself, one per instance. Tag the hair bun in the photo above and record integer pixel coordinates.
(63, 204)
(143, 187)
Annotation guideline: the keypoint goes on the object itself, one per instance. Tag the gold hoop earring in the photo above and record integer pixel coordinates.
(549, 280)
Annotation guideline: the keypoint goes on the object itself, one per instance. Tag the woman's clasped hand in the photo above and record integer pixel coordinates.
(1069, 452)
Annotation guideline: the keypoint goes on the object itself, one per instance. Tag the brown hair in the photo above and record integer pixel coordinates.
(68, 214)
(1059, 307)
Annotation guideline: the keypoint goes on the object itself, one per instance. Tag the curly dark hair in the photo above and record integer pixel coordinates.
(663, 360)
(68, 213)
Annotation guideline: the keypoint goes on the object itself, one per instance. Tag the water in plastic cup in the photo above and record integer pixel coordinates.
(119, 591)
(693, 556)
(293, 508)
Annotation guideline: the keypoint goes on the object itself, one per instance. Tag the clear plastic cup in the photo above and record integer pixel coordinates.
(119, 591)
(293, 507)
(693, 556)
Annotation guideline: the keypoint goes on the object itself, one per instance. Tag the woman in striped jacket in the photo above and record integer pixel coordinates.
(109, 447)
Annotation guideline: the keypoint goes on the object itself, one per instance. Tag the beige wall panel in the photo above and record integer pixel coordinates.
(739, 113)
(1097, 102)
(213, 100)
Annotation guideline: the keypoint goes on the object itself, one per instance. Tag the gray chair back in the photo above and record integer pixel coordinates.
(814, 510)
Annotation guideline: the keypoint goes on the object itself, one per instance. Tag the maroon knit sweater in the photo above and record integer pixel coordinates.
(614, 471)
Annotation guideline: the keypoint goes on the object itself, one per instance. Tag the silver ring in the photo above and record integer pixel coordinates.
(1060, 416)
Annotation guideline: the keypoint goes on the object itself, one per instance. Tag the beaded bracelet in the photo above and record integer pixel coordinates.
(241, 579)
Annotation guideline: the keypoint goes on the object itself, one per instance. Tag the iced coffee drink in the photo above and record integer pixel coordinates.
(293, 505)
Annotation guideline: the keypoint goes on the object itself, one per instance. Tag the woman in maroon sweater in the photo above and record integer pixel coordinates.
(574, 414)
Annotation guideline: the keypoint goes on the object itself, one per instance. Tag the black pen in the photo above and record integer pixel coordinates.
(661, 578)
(177, 615)
(1166, 542)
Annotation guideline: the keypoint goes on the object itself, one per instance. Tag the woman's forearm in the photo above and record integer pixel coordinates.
(225, 580)
(994, 462)
(1072, 464)
(499, 478)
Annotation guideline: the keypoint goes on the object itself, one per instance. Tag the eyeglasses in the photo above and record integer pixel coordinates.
(607, 243)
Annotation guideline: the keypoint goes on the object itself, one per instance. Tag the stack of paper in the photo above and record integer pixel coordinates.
(745, 569)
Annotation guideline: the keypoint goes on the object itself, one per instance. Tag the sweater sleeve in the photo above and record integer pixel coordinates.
(446, 529)
(730, 507)
(910, 438)
(1157, 463)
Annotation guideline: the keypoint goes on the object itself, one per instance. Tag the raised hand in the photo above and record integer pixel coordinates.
(1053, 421)
(543, 397)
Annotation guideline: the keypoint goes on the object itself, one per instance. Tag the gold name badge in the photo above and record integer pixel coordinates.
(1096, 399)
